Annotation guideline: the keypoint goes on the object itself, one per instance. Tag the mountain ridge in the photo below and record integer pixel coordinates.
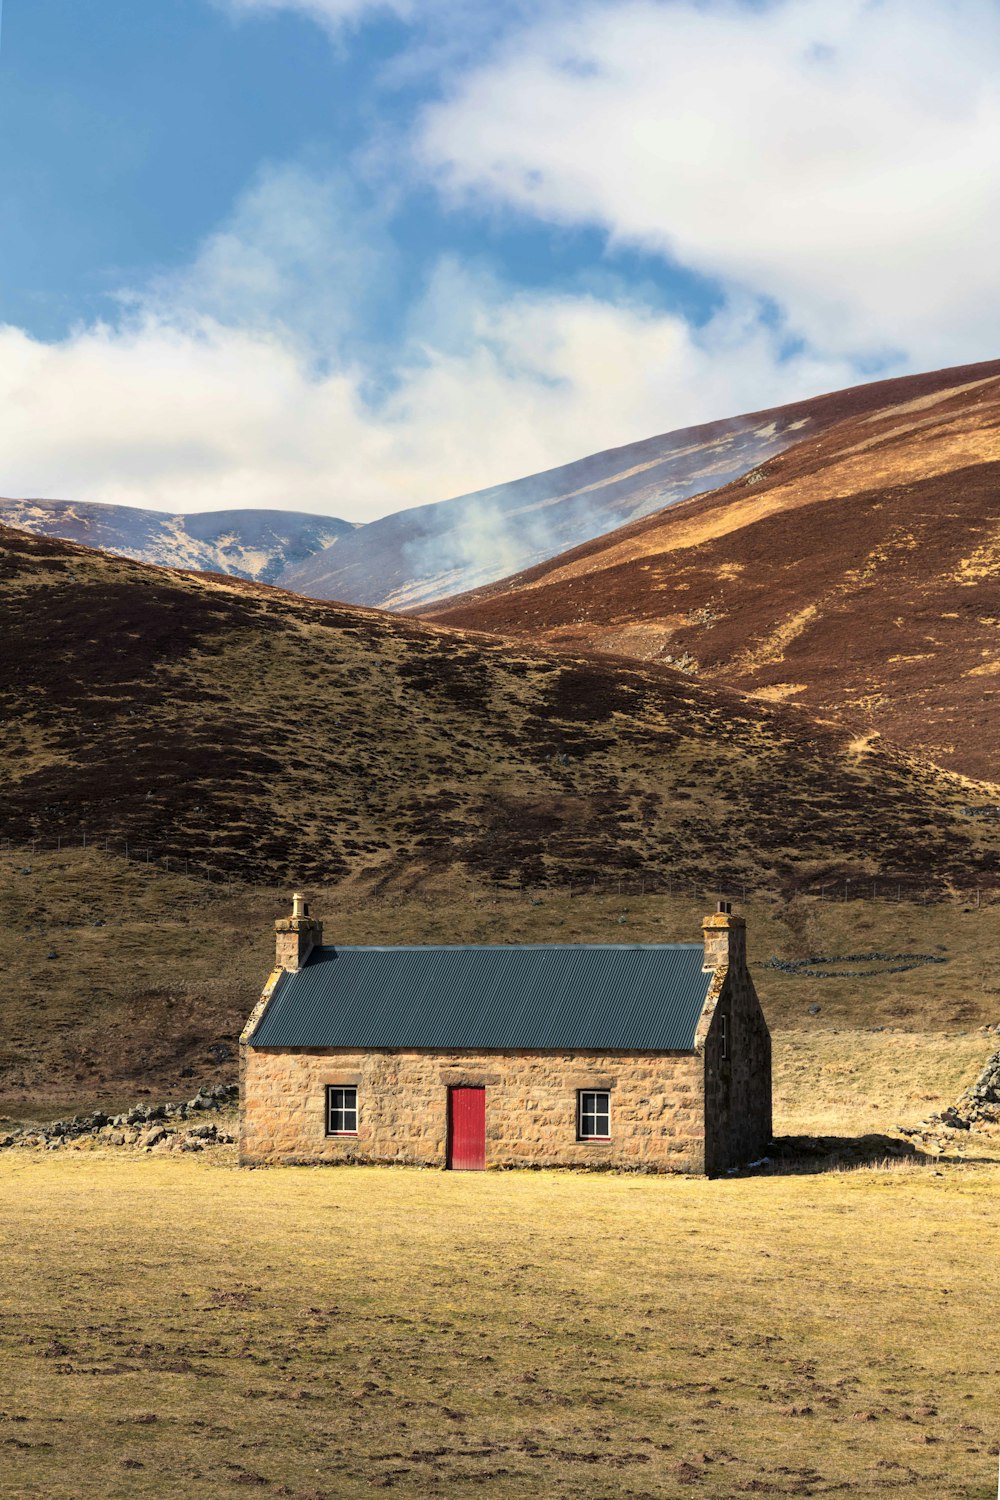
(855, 573)
(248, 543)
(415, 557)
(406, 560)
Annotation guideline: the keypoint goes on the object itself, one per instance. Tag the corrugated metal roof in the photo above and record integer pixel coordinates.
(587, 998)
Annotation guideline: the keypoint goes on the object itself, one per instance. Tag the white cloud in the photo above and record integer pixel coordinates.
(836, 156)
(301, 252)
(215, 389)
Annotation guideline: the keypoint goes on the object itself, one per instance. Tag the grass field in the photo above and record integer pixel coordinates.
(180, 1328)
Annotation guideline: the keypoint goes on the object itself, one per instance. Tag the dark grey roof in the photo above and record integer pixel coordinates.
(603, 998)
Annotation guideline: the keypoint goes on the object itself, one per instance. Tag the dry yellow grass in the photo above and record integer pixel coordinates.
(853, 1083)
(178, 1328)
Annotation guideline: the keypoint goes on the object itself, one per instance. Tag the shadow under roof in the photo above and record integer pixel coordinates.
(538, 997)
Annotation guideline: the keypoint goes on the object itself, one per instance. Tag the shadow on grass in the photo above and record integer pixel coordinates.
(791, 1155)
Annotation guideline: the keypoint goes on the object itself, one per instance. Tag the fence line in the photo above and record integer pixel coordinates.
(136, 853)
(887, 887)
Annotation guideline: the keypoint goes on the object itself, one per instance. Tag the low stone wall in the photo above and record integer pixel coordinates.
(162, 1127)
(657, 1105)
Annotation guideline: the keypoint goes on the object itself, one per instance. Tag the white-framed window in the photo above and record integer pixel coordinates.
(723, 1035)
(593, 1115)
(341, 1111)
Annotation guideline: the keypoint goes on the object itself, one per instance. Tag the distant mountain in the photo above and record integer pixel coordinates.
(258, 544)
(858, 573)
(405, 560)
(413, 556)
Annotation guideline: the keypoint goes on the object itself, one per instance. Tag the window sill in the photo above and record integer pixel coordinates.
(341, 1135)
(593, 1140)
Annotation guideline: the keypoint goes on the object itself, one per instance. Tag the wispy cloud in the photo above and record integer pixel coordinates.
(838, 160)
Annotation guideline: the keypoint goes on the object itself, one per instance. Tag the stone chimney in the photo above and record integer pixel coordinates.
(296, 936)
(725, 939)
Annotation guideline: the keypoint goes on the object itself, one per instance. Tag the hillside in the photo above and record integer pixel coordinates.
(274, 737)
(260, 544)
(856, 573)
(408, 559)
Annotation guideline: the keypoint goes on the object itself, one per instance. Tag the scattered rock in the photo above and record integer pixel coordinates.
(140, 1126)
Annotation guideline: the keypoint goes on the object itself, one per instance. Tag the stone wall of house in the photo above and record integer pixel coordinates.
(738, 1086)
(657, 1107)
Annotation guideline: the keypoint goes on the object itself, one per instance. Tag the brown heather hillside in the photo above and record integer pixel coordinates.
(857, 572)
(411, 558)
(288, 739)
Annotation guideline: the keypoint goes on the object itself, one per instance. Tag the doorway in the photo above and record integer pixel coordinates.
(466, 1129)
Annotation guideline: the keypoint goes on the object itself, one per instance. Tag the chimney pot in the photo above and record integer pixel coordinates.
(725, 938)
(296, 936)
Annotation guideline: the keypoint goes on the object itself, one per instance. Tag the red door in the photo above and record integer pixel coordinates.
(466, 1129)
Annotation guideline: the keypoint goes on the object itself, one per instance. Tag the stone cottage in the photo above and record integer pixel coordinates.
(648, 1056)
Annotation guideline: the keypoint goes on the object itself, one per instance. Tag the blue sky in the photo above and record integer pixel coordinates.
(130, 129)
(351, 255)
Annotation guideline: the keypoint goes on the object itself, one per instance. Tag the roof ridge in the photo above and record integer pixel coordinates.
(488, 947)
